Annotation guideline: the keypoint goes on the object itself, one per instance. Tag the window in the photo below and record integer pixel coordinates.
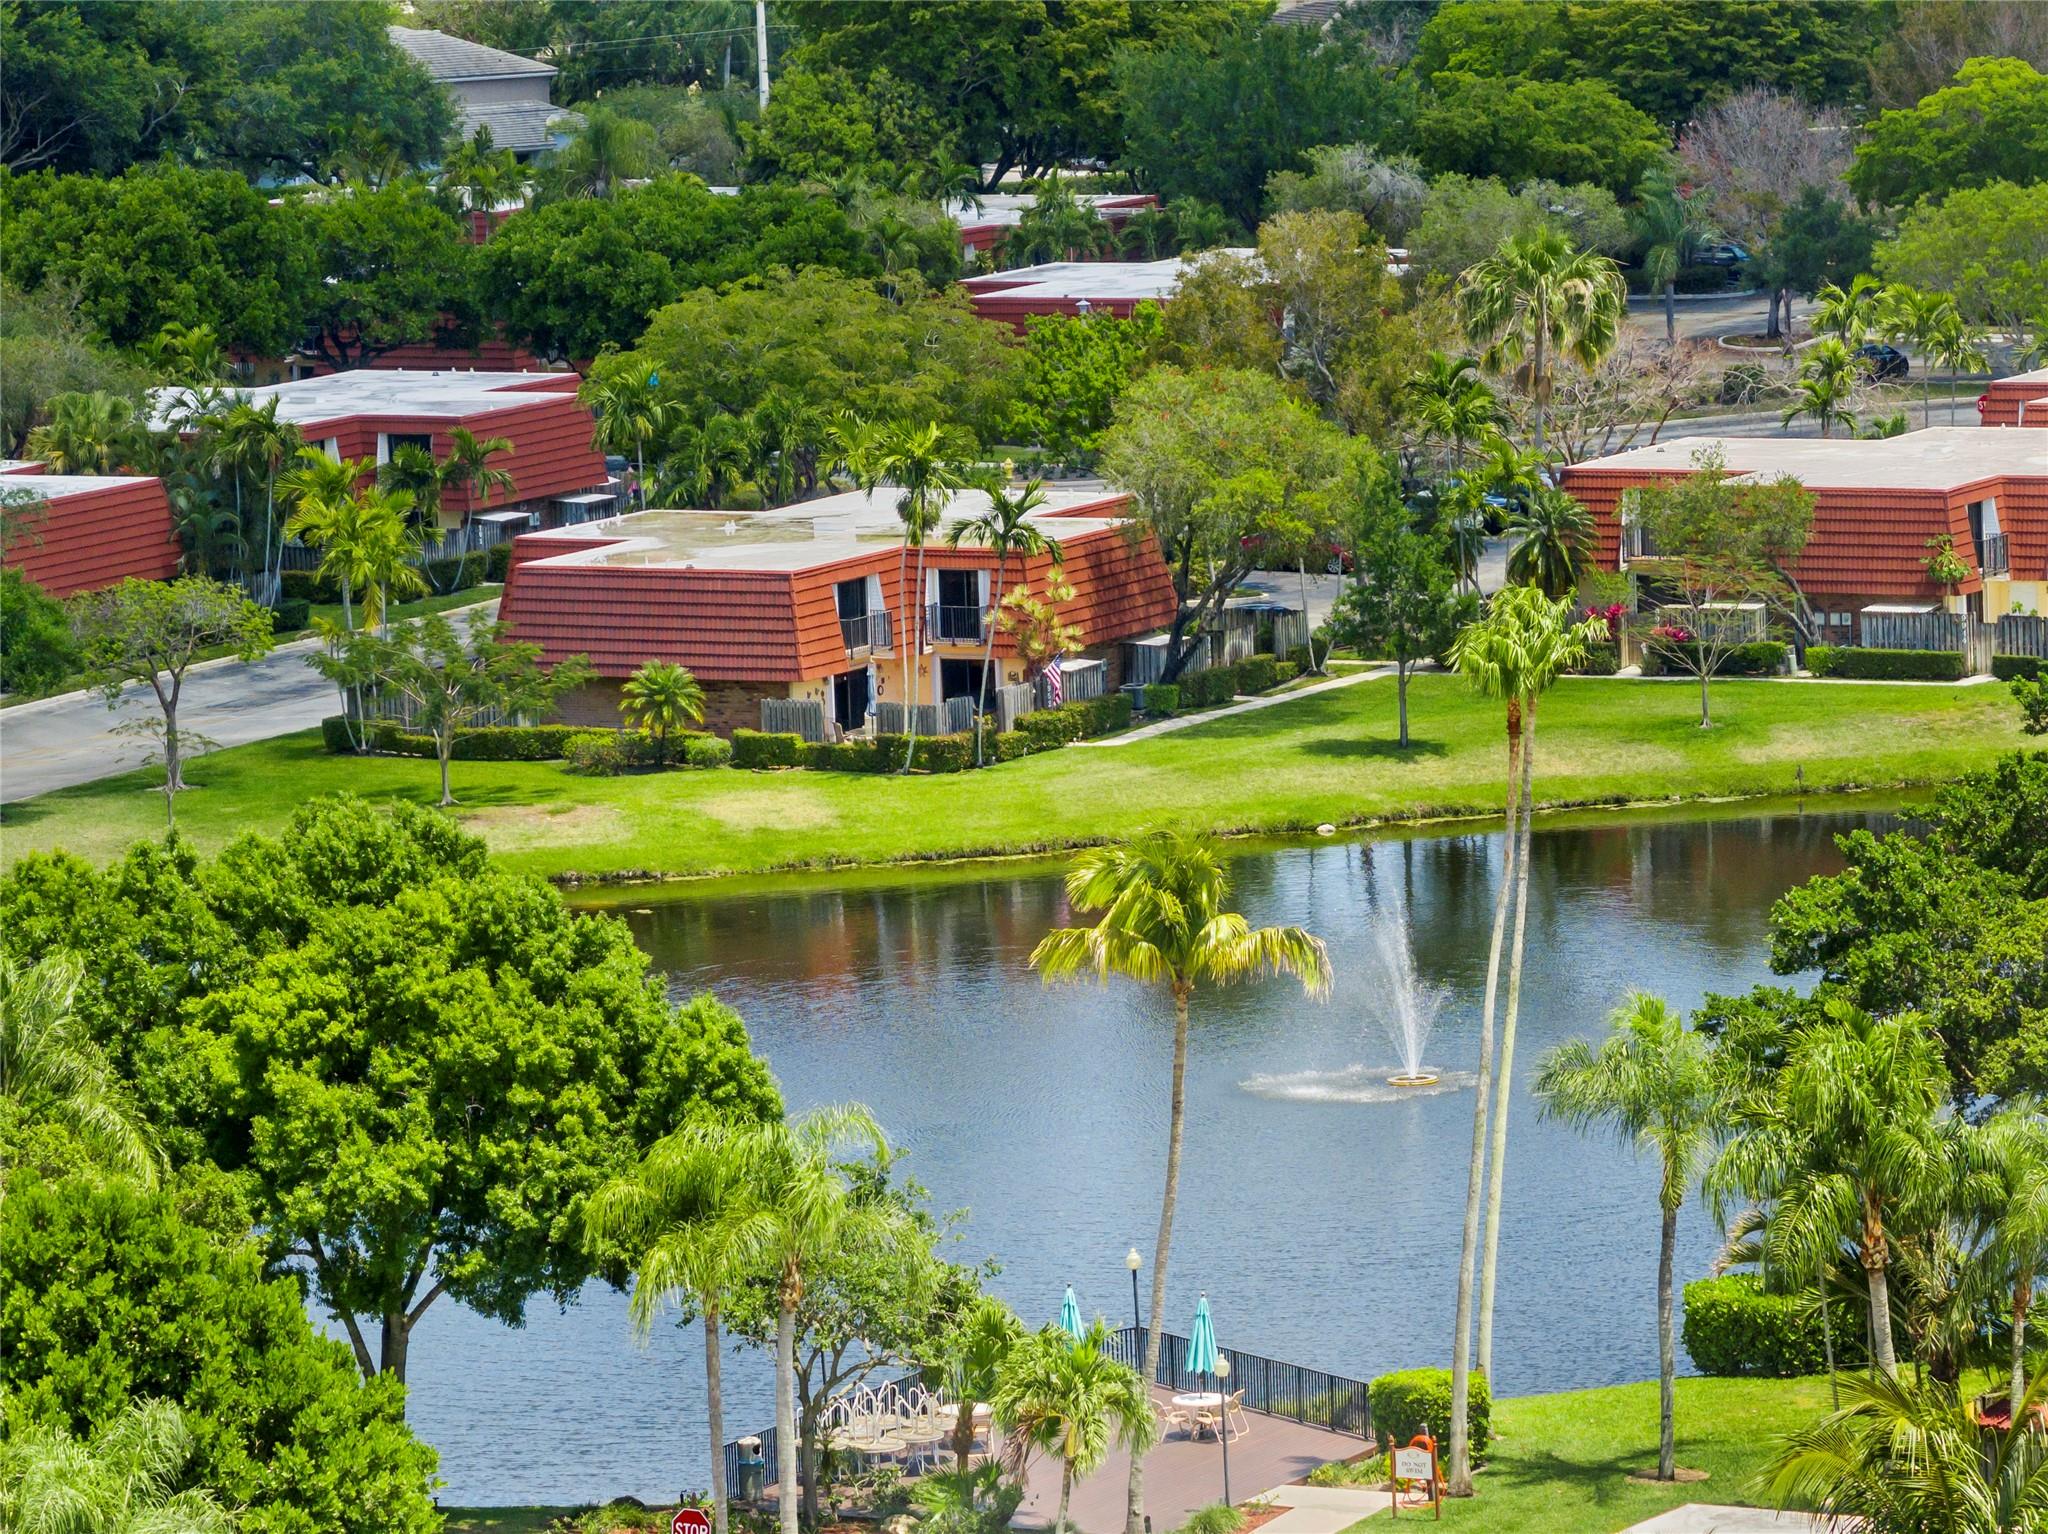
(388, 442)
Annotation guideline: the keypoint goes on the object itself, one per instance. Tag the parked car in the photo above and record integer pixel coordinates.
(1882, 362)
(1723, 253)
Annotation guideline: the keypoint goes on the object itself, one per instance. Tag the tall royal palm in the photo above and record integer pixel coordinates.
(679, 1218)
(1955, 346)
(1065, 1395)
(631, 412)
(251, 441)
(1914, 317)
(51, 1070)
(1846, 1141)
(1535, 299)
(1653, 1085)
(800, 1208)
(1004, 530)
(1522, 645)
(365, 537)
(2013, 1153)
(922, 462)
(1163, 923)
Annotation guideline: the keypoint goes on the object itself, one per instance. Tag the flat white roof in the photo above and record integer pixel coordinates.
(795, 537)
(2038, 376)
(1094, 280)
(52, 487)
(1006, 208)
(449, 392)
(1937, 459)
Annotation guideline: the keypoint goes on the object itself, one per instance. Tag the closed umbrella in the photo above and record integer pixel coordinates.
(1070, 1316)
(1202, 1341)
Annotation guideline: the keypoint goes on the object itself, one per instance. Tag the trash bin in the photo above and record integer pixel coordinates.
(753, 1472)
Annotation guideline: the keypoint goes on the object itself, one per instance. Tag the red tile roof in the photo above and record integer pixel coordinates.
(95, 532)
(2021, 400)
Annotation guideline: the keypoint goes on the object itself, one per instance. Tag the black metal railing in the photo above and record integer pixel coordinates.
(865, 634)
(1277, 1389)
(947, 624)
(1997, 558)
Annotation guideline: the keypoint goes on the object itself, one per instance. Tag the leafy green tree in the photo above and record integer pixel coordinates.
(1826, 386)
(124, 1481)
(47, 350)
(454, 678)
(1217, 119)
(1226, 469)
(1404, 601)
(1991, 125)
(1987, 246)
(181, 1312)
(1516, 652)
(1931, 39)
(1066, 1396)
(1071, 371)
(1671, 228)
(1342, 332)
(1164, 923)
(393, 263)
(37, 650)
(1350, 178)
(2032, 697)
(51, 1072)
(1844, 1141)
(662, 698)
(92, 89)
(1818, 243)
(1536, 298)
(1654, 1085)
(161, 243)
(1909, 1456)
(1520, 129)
(1464, 218)
(154, 632)
(831, 126)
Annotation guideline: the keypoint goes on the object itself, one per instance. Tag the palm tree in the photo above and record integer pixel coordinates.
(1056, 227)
(1556, 537)
(1670, 228)
(468, 465)
(680, 1216)
(630, 411)
(1450, 402)
(1003, 529)
(250, 440)
(973, 1354)
(662, 697)
(412, 472)
(1654, 1085)
(1163, 922)
(1899, 1456)
(1849, 314)
(186, 354)
(124, 1481)
(608, 150)
(1913, 317)
(800, 1207)
(1955, 346)
(366, 538)
(1523, 644)
(50, 1069)
(1845, 1140)
(1065, 1395)
(96, 433)
(2014, 1155)
(1536, 297)
(1827, 380)
(922, 462)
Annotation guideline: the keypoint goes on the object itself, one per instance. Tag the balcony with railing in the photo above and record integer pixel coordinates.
(947, 624)
(866, 635)
(1996, 557)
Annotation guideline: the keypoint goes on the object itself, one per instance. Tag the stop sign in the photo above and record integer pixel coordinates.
(689, 1520)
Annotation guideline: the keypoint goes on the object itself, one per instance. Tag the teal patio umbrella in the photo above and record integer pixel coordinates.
(1070, 1316)
(1201, 1357)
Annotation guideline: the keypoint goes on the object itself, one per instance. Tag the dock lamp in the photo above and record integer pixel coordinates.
(1134, 1262)
(1223, 1418)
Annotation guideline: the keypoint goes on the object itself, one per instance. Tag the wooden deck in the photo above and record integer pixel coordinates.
(1183, 1474)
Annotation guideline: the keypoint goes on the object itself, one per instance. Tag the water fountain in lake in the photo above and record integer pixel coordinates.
(1411, 1007)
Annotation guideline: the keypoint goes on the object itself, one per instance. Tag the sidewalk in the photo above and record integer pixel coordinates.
(1243, 706)
(1322, 1509)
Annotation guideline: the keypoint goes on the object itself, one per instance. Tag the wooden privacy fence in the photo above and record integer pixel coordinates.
(1013, 703)
(400, 709)
(1915, 631)
(1145, 660)
(2018, 635)
(794, 716)
(953, 717)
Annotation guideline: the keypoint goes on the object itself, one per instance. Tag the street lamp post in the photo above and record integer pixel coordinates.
(1223, 1418)
(1134, 1262)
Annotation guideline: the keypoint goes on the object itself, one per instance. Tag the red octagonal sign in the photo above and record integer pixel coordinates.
(690, 1520)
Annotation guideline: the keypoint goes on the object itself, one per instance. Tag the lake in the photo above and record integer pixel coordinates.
(1322, 1223)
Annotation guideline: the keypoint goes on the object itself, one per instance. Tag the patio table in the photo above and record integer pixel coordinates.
(1199, 1400)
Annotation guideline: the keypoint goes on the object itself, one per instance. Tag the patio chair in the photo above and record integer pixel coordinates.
(1234, 1415)
(1207, 1422)
(1177, 1417)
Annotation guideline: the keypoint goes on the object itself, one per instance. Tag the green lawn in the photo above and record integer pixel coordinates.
(505, 1520)
(469, 596)
(1326, 758)
(1561, 1463)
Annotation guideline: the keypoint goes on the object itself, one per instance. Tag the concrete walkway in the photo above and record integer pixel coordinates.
(1244, 705)
(1321, 1509)
(1706, 1518)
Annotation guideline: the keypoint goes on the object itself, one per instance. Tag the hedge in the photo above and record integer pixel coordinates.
(1413, 1401)
(1884, 665)
(498, 562)
(759, 748)
(496, 743)
(595, 753)
(1762, 657)
(2007, 667)
(1045, 730)
(1162, 698)
(1734, 1327)
(290, 615)
(1601, 660)
(707, 751)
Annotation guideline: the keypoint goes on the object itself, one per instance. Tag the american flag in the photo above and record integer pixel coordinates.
(1053, 691)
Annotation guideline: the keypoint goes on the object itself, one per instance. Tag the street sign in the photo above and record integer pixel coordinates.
(690, 1520)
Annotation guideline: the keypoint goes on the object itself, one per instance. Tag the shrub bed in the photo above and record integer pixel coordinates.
(1863, 665)
(2007, 667)
(1046, 730)
(1412, 1401)
(595, 753)
(496, 743)
(1601, 660)
(1762, 657)
(1162, 699)
(1734, 1327)
(498, 561)
(707, 751)
(758, 748)
(290, 615)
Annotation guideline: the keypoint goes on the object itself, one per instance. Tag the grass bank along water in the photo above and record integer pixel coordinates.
(1325, 758)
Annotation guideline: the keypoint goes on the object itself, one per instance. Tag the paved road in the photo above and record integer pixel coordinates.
(63, 741)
